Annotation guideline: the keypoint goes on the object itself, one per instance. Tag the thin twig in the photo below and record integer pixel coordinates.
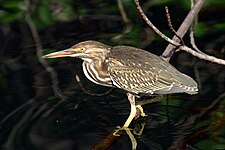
(170, 24)
(183, 28)
(122, 12)
(38, 44)
(192, 38)
(126, 20)
(154, 27)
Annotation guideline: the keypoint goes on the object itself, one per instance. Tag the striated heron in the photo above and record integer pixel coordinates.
(134, 70)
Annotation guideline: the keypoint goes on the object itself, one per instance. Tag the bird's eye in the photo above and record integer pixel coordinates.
(82, 49)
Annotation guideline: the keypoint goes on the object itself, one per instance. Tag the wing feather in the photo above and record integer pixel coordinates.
(138, 71)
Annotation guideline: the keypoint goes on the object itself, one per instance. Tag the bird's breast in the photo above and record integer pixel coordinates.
(97, 73)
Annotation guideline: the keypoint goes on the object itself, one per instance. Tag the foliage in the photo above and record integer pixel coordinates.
(45, 12)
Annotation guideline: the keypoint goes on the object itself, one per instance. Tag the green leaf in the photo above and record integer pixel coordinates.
(45, 16)
(14, 4)
(6, 17)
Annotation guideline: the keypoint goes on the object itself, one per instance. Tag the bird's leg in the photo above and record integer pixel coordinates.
(133, 110)
(132, 115)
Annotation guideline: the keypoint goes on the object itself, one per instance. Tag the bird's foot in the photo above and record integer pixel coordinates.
(120, 129)
(141, 111)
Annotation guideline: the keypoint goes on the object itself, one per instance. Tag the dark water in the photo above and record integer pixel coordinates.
(77, 123)
(82, 121)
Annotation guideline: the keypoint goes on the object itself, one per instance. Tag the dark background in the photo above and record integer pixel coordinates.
(33, 117)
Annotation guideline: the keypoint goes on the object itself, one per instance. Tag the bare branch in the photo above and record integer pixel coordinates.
(183, 28)
(154, 27)
(126, 20)
(38, 44)
(122, 12)
(203, 56)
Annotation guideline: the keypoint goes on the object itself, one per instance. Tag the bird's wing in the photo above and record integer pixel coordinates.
(139, 71)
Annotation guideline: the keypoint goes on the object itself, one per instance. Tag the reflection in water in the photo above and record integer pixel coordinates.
(83, 121)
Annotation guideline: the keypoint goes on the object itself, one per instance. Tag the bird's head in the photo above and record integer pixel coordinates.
(87, 50)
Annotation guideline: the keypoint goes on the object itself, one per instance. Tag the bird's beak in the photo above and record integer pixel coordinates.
(70, 52)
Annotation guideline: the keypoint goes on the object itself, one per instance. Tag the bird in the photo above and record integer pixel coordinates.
(134, 70)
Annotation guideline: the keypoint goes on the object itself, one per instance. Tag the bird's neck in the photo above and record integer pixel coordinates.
(97, 72)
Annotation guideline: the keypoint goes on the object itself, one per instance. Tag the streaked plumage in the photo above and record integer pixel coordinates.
(131, 69)
(138, 71)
